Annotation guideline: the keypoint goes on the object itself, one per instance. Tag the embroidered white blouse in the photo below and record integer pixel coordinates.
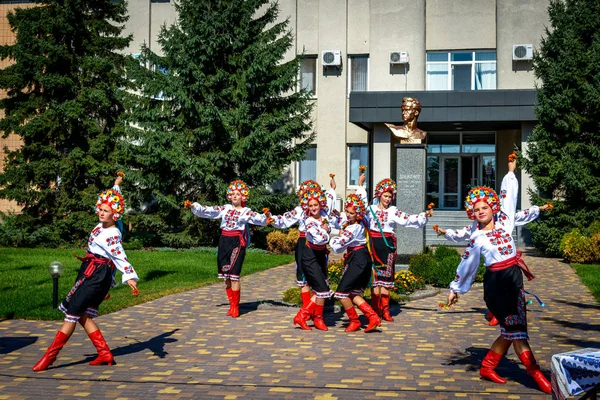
(494, 245)
(107, 243)
(389, 218)
(297, 215)
(352, 236)
(315, 233)
(232, 219)
(521, 218)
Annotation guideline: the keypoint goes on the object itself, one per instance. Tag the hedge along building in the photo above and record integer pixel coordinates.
(468, 62)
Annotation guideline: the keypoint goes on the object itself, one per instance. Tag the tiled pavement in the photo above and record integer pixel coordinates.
(183, 346)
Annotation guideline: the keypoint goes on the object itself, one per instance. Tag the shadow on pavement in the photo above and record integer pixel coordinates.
(578, 305)
(10, 344)
(155, 344)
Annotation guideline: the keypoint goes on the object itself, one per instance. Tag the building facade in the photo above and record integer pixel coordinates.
(467, 61)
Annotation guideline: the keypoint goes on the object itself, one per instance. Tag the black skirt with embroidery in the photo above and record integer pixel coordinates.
(230, 257)
(504, 296)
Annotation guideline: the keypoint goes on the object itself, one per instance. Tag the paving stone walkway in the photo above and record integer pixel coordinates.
(183, 346)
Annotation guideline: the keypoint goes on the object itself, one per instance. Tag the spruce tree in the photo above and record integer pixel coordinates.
(219, 103)
(565, 146)
(63, 101)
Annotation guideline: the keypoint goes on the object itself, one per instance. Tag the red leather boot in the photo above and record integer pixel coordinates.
(318, 318)
(492, 319)
(376, 303)
(488, 366)
(533, 369)
(104, 354)
(385, 308)
(303, 315)
(235, 305)
(305, 301)
(229, 292)
(354, 322)
(374, 320)
(50, 356)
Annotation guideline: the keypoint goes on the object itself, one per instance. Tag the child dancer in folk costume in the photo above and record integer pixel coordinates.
(96, 276)
(298, 216)
(234, 237)
(503, 290)
(357, 265)
(314, 258)
(382, 218)
(458, 235)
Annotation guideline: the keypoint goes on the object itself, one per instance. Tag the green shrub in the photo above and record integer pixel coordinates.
(422, 265)
(279, 242)
(438, 267)
(442, 252)
(134, 244)
(577, 248)
(292, 295)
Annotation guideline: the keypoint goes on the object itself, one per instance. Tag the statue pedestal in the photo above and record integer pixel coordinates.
(411, 163)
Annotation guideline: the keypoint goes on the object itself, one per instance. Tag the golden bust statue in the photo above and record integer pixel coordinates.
(409, 133)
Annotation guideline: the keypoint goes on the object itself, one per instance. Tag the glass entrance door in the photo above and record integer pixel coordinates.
(443, 181)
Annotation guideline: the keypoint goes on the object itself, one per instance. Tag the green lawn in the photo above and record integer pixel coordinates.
(26, 285)
(590, 276)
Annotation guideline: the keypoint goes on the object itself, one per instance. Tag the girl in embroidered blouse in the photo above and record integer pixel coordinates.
(458, 235)
(298, 216)
(357, 265)
(95, 278)
(314, 259)
(503, 281)
(234, 237)
(382, 218)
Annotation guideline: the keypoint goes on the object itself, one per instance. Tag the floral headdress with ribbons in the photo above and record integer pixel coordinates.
(385, 185)
(114, 200)
(241, 187)
(313, 193)
(307, 185)
(357, 204)
(481, 193)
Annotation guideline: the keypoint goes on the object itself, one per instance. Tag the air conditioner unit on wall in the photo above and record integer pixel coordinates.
(522, 52)
(398, 57)
(331, 58)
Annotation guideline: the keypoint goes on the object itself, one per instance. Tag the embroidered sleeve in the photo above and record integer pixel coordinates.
(115, 251)
(207, 211)
(459, 235)
(408, 221)
(467, 269)
(509, 190)
(340, 243)
(286, 220)
(526, 216)
(255, 218)
(331, 196)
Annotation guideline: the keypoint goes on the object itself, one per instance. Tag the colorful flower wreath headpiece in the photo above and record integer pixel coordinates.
(240, 187)
(481, 193)
(355, 202)
(385, 185)
(307, 185)
(313, 193)
(114, 200)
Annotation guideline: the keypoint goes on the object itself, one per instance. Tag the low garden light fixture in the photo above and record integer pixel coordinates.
(55, 269)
